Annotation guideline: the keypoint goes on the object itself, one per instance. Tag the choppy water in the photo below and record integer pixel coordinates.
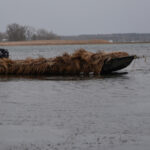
(77, 113)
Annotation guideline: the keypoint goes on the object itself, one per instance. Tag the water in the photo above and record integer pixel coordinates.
(77, 113)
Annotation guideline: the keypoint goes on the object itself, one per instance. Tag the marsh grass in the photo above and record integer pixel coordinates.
(54, 42)
(67, 64)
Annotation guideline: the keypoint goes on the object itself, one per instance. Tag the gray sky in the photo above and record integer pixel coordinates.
(73, 17)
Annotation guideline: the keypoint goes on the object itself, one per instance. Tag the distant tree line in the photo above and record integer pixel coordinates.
(16, 32)
(123, 37)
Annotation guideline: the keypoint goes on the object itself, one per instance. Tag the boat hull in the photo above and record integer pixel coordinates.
(116, 64)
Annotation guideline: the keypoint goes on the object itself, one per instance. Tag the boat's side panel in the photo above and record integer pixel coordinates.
(116, 64)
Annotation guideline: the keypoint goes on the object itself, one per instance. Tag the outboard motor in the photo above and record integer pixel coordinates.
(4, 53)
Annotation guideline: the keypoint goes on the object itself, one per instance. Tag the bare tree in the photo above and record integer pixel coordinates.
(16, 32)
(30, 33)
(43, 34)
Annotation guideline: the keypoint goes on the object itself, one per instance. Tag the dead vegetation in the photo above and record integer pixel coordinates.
(67, 64)
(53, 42)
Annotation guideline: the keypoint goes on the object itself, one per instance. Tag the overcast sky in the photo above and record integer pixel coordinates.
(73, 17)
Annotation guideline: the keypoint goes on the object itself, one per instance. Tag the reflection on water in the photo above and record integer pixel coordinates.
(61, 78)
(81, 112)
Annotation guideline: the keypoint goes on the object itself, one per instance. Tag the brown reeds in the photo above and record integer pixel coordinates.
(54, 42)
(67, 64)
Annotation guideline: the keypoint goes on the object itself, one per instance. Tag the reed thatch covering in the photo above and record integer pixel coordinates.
(67, 64)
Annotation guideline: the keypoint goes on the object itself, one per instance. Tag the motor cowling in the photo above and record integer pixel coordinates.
(4, 53)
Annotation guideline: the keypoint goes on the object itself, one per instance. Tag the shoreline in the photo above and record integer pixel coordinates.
(63, 42)
(53, 42)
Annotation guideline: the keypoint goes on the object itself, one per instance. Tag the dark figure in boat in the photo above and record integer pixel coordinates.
(4, 53)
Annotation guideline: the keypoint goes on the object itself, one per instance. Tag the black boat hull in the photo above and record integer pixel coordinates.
(116, 64)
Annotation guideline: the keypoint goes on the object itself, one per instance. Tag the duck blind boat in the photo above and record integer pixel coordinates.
(81, 61)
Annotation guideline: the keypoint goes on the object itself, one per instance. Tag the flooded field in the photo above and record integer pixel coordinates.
(77, 113)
